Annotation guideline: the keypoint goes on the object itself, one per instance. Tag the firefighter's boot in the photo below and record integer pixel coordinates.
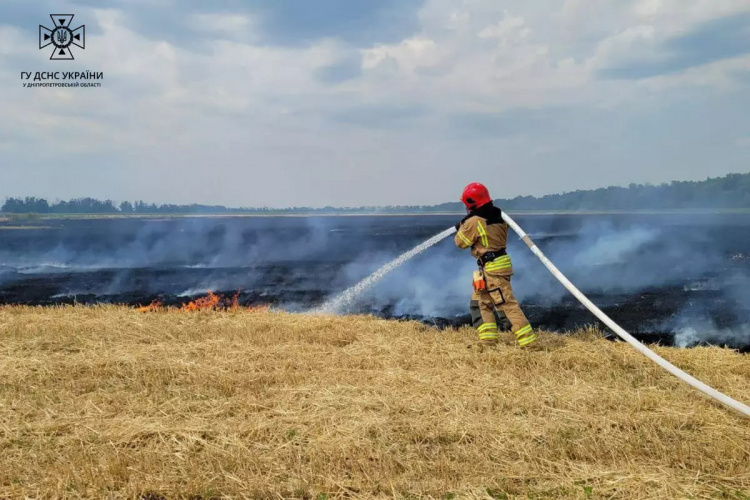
(484, 320)
(525, 335)
(488, 335)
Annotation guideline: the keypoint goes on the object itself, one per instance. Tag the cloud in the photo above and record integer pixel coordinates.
(518, 121)
(220, 24)
(221, 102)
(381, 116)
(464, 62)
(708, 42)
(340, 71)
(711, 41)
(293, 22)
(508, 30)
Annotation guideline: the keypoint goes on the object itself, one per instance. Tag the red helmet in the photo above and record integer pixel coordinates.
(475, 195)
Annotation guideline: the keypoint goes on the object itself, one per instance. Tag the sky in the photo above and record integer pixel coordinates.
(374, 102)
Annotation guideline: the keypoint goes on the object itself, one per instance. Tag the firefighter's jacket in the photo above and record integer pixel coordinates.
(484, 230)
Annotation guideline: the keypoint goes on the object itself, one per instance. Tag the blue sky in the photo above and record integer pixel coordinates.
(336, 102)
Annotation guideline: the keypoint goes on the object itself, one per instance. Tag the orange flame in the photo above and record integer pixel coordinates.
(235, 301)
(153, 306)
(211, 302)
(207, 303)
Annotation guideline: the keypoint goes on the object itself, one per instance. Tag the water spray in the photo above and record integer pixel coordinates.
(341, 302)
(345, 299)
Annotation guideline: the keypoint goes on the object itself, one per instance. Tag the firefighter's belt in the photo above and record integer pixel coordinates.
(490, 256)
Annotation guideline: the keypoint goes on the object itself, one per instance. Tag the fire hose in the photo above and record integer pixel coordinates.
(685, 377)
(349, 295)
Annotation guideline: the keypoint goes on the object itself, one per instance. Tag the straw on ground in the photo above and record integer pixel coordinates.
(109, 402)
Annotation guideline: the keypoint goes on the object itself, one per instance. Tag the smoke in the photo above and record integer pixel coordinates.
(706, 332)
(152, 256)
(604, 257)
(6, 273)
(615, 248)
(299, 262)
(679, 256)
(695, 323)
(694, 326)
(194, 242)
(437, 283)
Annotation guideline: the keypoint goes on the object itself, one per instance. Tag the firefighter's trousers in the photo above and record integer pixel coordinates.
(498, 300)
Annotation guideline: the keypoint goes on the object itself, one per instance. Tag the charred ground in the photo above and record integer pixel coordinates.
(659, 276)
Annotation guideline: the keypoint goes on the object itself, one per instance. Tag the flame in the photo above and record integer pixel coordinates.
(208, 303)
(235, 301)
(153, 306)
(211, 302)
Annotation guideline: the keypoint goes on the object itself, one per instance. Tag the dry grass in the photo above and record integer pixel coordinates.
(107, 402)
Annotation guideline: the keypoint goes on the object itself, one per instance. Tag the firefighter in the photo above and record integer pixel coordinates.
(486, 233)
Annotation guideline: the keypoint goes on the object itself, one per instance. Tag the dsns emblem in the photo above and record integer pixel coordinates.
(61, 36)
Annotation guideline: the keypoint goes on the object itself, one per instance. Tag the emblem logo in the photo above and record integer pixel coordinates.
(62, 37)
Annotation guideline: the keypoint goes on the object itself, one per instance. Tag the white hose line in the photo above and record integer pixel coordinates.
(710, 391)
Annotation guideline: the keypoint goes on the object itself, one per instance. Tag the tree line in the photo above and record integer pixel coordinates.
(31, 204)
(730, 191)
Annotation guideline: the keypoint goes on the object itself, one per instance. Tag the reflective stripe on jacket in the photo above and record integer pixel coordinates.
(486, 234)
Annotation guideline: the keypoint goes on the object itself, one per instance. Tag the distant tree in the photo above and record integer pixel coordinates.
(12, 206)
(29, 204)
(730, 191)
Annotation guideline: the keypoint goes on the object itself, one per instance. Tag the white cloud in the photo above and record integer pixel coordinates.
(675, 15)
(644, 26)
(489, 61)
(231, 118)
(508, 30)
(633, 44)
(222, 23)
(720, 76)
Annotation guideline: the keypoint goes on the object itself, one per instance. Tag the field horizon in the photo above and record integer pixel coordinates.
(107, 401)
(35, 217)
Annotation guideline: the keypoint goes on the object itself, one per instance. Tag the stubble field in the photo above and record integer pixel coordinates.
(109, 402)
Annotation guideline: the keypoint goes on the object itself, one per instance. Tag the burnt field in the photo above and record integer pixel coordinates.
(674, 279)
